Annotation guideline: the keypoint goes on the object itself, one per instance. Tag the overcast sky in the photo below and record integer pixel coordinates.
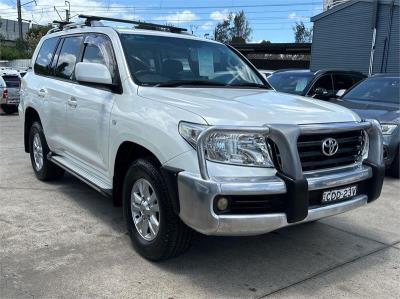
(270, 19)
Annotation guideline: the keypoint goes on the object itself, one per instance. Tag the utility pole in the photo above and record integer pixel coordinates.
(21, 36)
(67, 11)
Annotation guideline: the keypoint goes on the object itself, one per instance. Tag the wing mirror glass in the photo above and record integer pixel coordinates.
(93, 73)
(340, 92)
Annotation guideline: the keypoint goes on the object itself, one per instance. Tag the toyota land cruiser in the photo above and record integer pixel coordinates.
(186, 135)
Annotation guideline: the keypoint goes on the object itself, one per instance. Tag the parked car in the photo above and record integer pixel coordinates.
(143, 117)
(10, 92)
(378, 97)
(323, 84)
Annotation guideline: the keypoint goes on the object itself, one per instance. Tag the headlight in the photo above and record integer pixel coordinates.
(388, 129)
(245, 149)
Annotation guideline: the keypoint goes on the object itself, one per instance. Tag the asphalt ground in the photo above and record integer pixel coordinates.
(64, 240)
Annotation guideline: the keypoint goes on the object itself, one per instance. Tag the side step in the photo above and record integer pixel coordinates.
(82, 174)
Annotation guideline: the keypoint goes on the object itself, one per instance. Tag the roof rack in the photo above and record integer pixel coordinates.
(95, 20)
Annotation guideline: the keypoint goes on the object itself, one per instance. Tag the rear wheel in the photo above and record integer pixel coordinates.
(44, 169)
(157, 233)
(8, 109)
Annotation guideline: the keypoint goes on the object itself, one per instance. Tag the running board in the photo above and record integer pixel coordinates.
(81, 174)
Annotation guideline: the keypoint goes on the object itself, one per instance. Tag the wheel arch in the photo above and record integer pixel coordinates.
(31, 115)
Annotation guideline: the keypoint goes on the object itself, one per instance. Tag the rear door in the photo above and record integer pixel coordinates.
(59, 88)
(89, 107)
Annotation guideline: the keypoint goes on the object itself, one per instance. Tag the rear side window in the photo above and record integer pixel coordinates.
(68, 57)
(12, 81)
(43, 59)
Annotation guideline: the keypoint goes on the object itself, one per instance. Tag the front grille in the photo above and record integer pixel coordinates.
(309, 147)
(310, 150)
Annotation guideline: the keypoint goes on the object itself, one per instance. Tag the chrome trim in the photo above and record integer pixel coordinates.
(338, 177)
(334, 127)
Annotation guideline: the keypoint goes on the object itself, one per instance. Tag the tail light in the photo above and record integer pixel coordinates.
(5, 93)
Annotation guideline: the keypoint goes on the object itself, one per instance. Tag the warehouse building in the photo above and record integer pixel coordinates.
(358, 35)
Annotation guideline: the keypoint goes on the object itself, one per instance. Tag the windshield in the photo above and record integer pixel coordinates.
(376, 89)
(157, 60)
(290, 82)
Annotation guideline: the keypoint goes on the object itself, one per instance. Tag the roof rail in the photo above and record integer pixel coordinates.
(95, 21)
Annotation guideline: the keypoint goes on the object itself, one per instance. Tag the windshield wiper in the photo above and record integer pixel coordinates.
(249, 84)
(176, 83)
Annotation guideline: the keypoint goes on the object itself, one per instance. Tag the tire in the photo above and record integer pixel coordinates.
(46, 170)
(395, 167)
(173, 237)
(9, 109)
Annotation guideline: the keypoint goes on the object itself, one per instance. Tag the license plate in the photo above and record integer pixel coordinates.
(339, 194)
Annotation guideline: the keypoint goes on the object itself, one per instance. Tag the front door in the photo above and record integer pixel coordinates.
(89, 107)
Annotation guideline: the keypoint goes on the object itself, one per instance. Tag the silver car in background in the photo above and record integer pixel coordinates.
(10, 89)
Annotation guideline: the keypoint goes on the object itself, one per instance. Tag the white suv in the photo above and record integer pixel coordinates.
(185, 134)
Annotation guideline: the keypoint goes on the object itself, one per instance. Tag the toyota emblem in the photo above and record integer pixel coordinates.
(330, 146)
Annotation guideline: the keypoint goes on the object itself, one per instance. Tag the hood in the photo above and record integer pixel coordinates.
(383, 112)
(248, 107)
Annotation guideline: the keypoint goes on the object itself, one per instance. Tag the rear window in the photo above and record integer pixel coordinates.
(12, 81)
(45, 55)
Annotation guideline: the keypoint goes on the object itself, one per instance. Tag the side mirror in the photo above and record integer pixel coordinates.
(92, 73)
(340, 92)
(320, 91)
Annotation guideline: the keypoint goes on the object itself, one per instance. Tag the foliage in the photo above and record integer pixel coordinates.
(302, 34)
(24, 48)
(234, 29)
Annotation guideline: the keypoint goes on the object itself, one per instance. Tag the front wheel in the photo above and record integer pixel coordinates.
(157, 233)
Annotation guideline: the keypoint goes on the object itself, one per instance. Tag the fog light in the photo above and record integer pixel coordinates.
(222, 203)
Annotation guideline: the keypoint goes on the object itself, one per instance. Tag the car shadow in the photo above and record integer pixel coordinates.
(240, 266)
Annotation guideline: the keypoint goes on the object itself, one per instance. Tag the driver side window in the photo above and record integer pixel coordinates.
(98, 49)
(324, 82)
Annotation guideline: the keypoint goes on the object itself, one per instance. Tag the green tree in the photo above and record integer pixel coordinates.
(234, 29)
(301, 33)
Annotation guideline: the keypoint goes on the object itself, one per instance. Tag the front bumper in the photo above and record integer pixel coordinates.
(197, 200)
(197, 192)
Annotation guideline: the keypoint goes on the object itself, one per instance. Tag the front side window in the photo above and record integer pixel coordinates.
(325, 82)
(43, 59)
(68, 56)
(156, 60)
(344, 81)
(376, 90)
(291, 82)
(98, 49)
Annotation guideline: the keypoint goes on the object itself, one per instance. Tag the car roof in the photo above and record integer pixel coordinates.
(386, 75)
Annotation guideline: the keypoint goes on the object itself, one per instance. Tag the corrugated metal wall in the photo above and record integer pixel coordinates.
(382, 36)
(342, 39)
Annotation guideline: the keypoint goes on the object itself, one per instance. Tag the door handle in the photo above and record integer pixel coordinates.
(72, 102)
(42, 92)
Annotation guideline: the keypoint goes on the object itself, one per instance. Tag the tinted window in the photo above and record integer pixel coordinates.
(158, 59)
(68, 56)
(42, 63)
(290, 82)
(98, 49)
(12, 81)
(324, 82)
(376, 89)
